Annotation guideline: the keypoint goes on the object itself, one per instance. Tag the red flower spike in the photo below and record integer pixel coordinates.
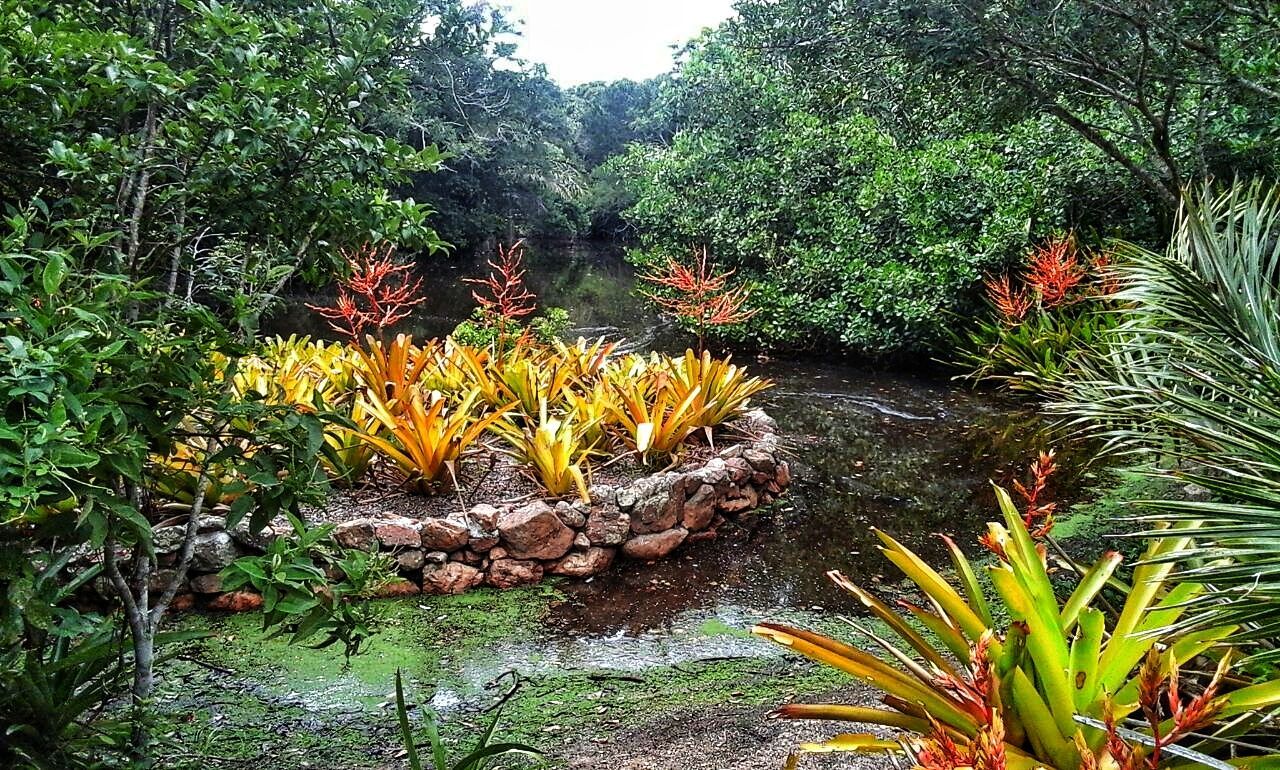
(1013, 306)
(506, 294)
(1038, 514)
(378, 292)
(1054, 271)
(701, 295)
(976, 694)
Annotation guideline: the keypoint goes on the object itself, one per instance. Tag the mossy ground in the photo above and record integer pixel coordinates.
(237, 699)
(1089, 528)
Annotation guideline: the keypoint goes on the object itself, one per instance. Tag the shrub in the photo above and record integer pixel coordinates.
(1040, 325)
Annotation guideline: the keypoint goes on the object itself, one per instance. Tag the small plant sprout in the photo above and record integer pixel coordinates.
(699, 296)
(378, 292)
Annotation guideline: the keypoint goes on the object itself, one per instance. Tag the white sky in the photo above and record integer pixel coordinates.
(585, 40)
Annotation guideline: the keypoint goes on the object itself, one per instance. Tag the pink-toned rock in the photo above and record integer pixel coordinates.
(509, 573)
(182, 602)
(357, 534)
(592, 561)
(581, 541)
(745, 499)
(608, 526)
(410, 560)
(699, 508)
(484, 517)
(207, 584)
(656, 545)
(450, 578)
(443, 534)
(483, 544)
(398, 587)
(237, 601)
(534, 531)
(397, 533)
(702, 537)
(739, 469)
(468, 556)
(761, 462)
(783, 474)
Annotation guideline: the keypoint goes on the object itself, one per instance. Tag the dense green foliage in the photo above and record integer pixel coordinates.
(864, 163)
(1188, 379)
(510, 169)
(168, 167)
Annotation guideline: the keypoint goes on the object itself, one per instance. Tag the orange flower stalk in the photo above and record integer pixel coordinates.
(1171, 720)
(701, 295)
(506, 294)
(378, 292)
(976, 695)
(1037, 513)
(1054, 270)
(1012, 305)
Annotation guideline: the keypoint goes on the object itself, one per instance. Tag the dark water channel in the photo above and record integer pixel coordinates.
(869, 449)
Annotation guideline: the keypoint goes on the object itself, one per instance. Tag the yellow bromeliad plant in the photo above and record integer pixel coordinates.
(532, 379)
(555, 449)
(724, 389)
(589, 409)
(586, 361)
(347, 455)
(649, 417)
(1050, 686)
(425, 436)
(393, 369)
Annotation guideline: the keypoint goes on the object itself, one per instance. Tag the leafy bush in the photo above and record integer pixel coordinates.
(1041, 324)
(1031, 680)
(827, 222)
(298, 596)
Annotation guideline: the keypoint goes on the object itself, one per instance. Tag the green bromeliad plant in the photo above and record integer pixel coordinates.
(1023, 679)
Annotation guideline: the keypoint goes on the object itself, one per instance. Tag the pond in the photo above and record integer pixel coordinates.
(613, 662)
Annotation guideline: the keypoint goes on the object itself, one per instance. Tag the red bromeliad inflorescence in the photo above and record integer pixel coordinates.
(1055, 276)
(699, 294)
(378, 292)
(1037, 512)
(1013, 305)
(505, 292)
(976, 694)
(1169, 718)
(1054, 270)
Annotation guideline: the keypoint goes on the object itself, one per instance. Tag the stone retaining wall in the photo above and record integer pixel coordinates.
(517, 544)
